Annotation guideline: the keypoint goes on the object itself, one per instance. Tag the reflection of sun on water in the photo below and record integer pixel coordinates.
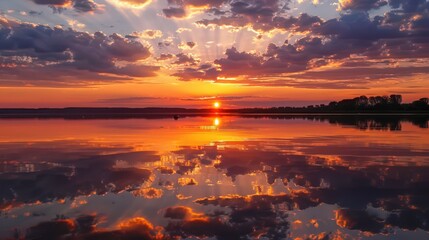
(213, 126)
(216, 122)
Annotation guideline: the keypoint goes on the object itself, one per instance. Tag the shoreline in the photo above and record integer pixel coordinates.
(137, 113)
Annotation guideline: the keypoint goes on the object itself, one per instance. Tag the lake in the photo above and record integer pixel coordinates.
(224, 177)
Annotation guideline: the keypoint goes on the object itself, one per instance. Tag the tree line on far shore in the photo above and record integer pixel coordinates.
(392, 103)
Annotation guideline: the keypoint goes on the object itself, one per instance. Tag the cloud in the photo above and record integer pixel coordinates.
(128, 100)
(167, 42)
(85, 5)
(182, 213)
(362, 73)
(183, 59)
(326, 43)
(366, 5)
(361, 4)
(56, 53)
(77, 5)
(261, 16)
(183, 8)
(296, 24)
(323, 48)
(277, 60)
(187, 45)
(146, 34)
(202, 72)
(181, 30)
(211, 98)
(165, 56)
(174, 12)
(149, 193)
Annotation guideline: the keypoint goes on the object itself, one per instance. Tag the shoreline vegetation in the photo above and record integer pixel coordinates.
(378, 105)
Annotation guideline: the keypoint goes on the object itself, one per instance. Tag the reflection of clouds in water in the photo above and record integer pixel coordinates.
(308, 187)
(148, 193)
(84, 227)
(73, 176)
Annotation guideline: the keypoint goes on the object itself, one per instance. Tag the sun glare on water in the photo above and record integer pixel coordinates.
(216, 122)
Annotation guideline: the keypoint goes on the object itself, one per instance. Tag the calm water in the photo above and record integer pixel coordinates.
(208, 177)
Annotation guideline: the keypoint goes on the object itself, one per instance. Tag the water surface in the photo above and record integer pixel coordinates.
(227, 177)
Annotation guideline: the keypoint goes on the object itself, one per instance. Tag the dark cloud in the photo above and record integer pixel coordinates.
(84, 5)
(78, 5)
(56, 53)
(262, 16)
(128, 100)
(197, 3)
(183, 59)
(360, 73)
(180, 8)
(174, 12)
(191, 44)
(407, 6)
(361, 4)
(202, 72)
(358, 26)
(299, 24)
(223, 98)
(34, 13)
(52, 2)
(165, 56)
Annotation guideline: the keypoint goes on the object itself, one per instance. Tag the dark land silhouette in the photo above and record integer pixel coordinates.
(360, 105)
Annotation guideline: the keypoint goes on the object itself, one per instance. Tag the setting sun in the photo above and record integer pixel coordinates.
(216, 104)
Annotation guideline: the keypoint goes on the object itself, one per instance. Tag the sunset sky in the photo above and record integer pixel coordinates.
(191, 53)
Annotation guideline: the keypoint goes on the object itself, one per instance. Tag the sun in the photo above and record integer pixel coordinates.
(216, 104)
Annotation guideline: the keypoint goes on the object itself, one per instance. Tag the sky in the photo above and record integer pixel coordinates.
(190, 53)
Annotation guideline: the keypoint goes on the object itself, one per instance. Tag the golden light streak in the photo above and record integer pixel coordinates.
(216, 122)
(136, 4)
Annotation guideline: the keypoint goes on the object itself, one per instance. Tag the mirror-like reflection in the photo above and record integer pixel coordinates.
(224, 177)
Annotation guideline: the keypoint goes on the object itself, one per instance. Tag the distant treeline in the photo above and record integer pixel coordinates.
(376, 104)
